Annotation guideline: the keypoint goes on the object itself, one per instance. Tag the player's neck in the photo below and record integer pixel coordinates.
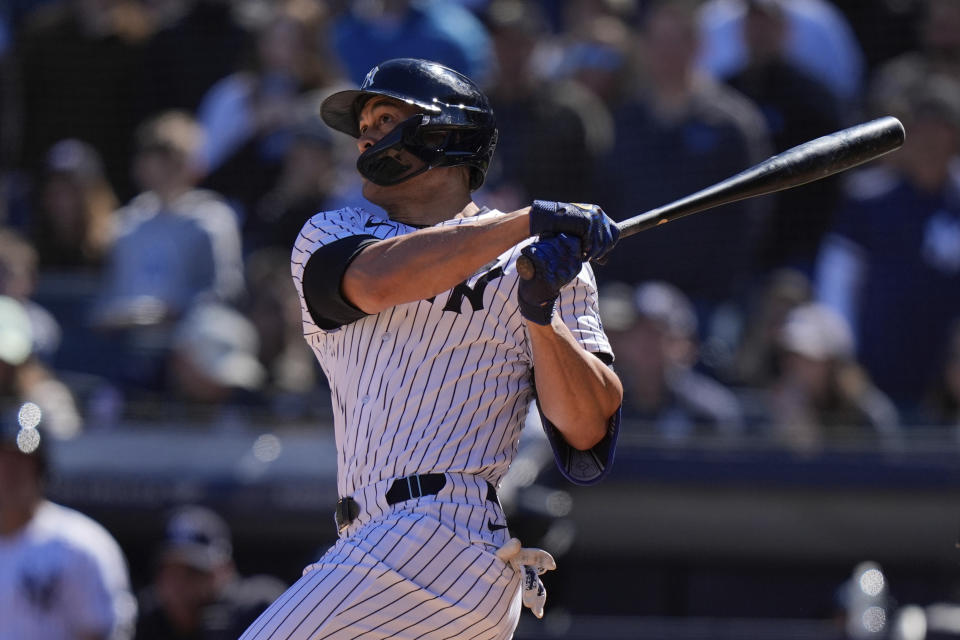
(13, 520)
(427, 214)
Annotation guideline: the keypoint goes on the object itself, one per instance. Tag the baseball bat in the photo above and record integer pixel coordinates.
(813, 160)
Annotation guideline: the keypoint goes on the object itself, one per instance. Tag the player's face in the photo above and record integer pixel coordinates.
(378, 118)
(19, 485)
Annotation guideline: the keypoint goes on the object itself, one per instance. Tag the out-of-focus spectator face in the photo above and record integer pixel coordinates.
(814, 340)
(195, 563)
(642, 349)
(62, 200)
(185, 589)
(936, 138)
(812, 375)
(165, 146)
(20, 484)
(941, 28)
(951, 372)
(651, 329)
(153, 168)
(282, 45)
(670, 42)
(765, 30)
(16, 278)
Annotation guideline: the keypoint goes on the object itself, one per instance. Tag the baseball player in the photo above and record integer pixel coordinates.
(434, 348)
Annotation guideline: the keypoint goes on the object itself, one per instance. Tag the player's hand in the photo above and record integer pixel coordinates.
(532, 563)
(557, 261)
(597, 231)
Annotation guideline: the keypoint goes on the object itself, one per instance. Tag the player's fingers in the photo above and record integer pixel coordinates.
(538, 559)
(509, 550)
(310, 567)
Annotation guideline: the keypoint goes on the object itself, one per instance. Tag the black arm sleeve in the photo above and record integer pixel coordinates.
(322, 277)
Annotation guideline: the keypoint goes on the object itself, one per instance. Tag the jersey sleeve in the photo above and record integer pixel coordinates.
(579, 308)
(327, 244)
(580, 311)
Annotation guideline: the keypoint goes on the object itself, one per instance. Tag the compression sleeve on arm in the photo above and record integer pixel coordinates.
(584, 467)
(322, 278)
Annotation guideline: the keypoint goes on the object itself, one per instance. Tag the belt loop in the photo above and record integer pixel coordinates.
(410, 488)
(419, 488)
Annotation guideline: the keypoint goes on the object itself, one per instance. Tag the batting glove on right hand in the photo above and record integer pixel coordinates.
(532, 563)
(557, 261)
(597, 231)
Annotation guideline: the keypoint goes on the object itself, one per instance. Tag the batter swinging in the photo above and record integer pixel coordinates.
(430, 343)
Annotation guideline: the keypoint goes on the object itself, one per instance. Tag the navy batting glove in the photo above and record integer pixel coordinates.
(597, 231)
(557, 261)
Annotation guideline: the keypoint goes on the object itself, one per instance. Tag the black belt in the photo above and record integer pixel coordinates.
(402, 489)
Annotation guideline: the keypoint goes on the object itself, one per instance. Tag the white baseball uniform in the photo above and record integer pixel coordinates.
(61, 576)
(440, 387)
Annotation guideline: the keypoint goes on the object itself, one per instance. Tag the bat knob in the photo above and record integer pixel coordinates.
(525, 268)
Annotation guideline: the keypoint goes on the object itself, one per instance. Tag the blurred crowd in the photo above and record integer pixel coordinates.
(158, 158)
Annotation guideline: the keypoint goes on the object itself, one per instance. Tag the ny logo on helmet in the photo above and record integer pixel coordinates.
(370, 74)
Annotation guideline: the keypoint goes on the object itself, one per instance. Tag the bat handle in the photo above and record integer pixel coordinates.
(525, 268)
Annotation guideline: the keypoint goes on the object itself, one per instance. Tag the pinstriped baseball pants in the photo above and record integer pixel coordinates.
(424, 568)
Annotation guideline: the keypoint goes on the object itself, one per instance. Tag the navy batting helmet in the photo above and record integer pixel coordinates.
(456, 125)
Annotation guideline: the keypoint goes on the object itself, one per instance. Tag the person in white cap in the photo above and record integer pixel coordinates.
(821, 392)
(24, 378)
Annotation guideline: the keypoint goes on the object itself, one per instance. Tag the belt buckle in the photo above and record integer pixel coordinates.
(347, 511)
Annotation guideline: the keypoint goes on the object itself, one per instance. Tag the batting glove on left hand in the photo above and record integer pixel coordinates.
(532, 563)
(557, 261)
(597, 231)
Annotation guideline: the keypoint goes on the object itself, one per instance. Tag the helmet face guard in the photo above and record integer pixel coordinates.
(416, 145)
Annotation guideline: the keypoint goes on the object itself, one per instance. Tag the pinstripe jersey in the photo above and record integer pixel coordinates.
(438, 385)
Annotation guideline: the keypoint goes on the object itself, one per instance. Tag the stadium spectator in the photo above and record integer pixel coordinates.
(292, 374)
(819, 40)
(213, 369)
(72, 222)
(891, 274)
(62, 575)
(551, 132)
(196, 592)
(820, 394)
(176, 244)
(249, 116)
(941, 402)
(309, 181)
(18, 280)
(797, 107)
(596, 53)
(938, 53)
(24, 378)
(679, 132)
(367, 33)
(755, 363)
(653, 331)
